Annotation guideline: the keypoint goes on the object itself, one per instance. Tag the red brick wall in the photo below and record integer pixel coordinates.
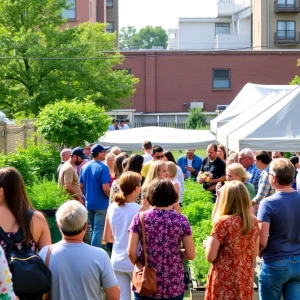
(169, 79)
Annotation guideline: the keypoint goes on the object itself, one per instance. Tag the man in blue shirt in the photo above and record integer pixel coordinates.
(279, 223)
(190, 164)
(94, 182)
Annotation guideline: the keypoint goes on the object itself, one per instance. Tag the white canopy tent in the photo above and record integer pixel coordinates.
(168, 138)
(277, 128)
(247, 97)
(252, 112)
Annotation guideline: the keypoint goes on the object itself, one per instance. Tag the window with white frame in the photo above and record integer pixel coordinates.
(221, 79)
(222, 28)
(70, 13)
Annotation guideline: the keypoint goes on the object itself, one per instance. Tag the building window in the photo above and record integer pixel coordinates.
(109, 3)
(222, 28)
(70, 13)
(286, 30)
(221, 79)
(286, 3)
(172, 35)
(110, 27)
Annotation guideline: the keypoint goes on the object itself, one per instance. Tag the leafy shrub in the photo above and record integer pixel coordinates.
(45, 194)
(194, 192)
(195, 119)
(72, 123)
(197, 207)
(34, 162)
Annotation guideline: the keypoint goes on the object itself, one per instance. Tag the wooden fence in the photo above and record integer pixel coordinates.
(12, 136)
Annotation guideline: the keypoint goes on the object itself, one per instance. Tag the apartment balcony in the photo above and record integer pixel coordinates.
(286, 37)
(225, 8)
(286, 6)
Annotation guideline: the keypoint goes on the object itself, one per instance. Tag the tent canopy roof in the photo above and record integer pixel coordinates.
(247, 97)
(168, 138)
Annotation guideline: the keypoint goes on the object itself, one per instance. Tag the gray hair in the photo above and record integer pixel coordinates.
(71, 216)
(247, 152)
(115, 149)
(63, 152)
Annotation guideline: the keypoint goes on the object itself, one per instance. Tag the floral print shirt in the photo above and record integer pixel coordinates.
(6, 286)
(164, 230)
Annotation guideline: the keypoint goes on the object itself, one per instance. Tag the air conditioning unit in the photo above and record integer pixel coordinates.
(195, 104)
(222, 107)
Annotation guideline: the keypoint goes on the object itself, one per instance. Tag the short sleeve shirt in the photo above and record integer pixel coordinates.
(67, 174)
(217, 168)
(164, 231)
(79, 271)
(282, 211)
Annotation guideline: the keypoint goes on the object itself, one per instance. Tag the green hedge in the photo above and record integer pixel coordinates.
(34, 163)
(197, 207)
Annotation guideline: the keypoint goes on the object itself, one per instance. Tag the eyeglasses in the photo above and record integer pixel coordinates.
(158, 157)
(240, 158)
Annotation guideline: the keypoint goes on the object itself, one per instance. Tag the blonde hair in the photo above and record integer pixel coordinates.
(233, 158)
(128, 182)
(239, 171)
(109, 155)
(235, 201)
(172, 169)
(153, 172)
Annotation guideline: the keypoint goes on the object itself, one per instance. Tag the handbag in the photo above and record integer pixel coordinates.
(31, 277)
(144, 277)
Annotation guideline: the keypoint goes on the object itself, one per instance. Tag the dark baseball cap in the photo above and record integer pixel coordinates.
(78, 151)
(98, 148)
(294, 159)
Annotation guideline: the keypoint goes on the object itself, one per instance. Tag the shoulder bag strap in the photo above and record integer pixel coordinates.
(48, 256)
(144, 237)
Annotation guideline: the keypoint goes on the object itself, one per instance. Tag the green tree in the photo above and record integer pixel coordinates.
(72, 123)
(146, 38)
(125, 37)
(44, 60)
(196, 119)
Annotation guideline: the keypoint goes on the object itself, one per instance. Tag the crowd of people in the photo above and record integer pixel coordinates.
(255, 215)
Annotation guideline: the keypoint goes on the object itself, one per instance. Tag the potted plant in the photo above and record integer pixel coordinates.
(46, 196)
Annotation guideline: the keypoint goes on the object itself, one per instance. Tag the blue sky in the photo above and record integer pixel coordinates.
(165, 13)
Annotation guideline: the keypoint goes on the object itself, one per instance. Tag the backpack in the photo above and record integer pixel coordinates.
(31, 277)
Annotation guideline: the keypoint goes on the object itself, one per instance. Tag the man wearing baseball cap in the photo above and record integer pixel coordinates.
(94, 181)
(68, 177)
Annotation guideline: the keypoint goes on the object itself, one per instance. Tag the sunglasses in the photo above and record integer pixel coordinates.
(158, 157)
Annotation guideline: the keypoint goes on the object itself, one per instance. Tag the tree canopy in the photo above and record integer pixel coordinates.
(72, 123)
(147, 38)
(43, 60)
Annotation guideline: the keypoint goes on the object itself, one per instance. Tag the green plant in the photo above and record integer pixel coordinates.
(197, 207)
(72, 123)
(196, 119)
(45, 194)
(33, 162)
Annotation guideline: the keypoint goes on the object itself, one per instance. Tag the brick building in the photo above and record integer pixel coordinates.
(171, 80)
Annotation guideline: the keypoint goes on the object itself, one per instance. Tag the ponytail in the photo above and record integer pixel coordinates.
(120, 199)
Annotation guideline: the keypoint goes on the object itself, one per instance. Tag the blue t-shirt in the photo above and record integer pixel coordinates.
(282, 211)
(92, 175)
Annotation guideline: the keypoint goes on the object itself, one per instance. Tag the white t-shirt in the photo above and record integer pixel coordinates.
(78, 271)
(180, 188)
(147, 157)
(189, 163)
(180, 177)
(120, 217)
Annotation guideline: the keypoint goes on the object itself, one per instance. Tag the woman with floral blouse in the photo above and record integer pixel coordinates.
(168, 241)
